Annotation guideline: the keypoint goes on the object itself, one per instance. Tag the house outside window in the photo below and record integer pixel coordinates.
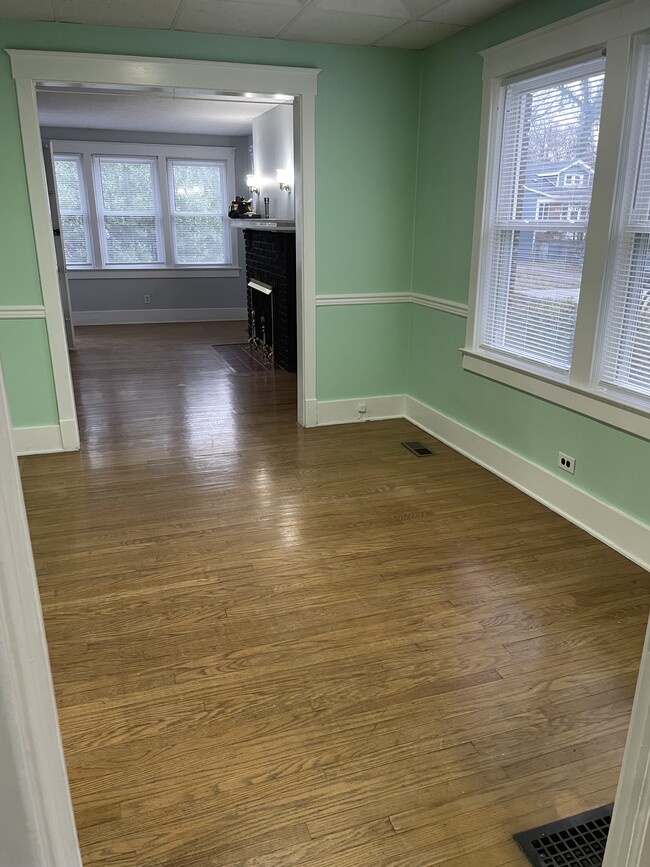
(144, 207)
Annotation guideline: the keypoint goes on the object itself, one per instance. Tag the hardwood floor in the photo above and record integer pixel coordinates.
(275, 646)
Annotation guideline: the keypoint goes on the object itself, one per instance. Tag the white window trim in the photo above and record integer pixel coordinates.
(167, 268)
(612, 27)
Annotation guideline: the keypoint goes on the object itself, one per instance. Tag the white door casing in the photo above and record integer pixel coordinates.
(30, 67)
(36, 821)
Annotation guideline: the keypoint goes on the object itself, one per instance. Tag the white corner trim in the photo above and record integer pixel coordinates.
(38, 440)
(345, 300)
(346, 411)
(628, 842)
(311, 413)
(613, 527)
(45, 254)
(142, 317)
(32, 311)
(442, 304)
(70, 434)
(26, 687)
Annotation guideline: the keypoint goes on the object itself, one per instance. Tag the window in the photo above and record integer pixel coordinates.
(132, 206)
(128, 210)
(199, 210)
(73, 209)
(533, 278)
(560, 297)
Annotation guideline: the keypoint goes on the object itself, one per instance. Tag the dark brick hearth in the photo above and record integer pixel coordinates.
(271, 259)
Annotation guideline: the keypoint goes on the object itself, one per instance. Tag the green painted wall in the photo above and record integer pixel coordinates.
(362, 350)
(610, 464)
(366, 139)
(25, 358)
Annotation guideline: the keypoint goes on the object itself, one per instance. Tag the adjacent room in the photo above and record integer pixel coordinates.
(325, 340)
(153, 272)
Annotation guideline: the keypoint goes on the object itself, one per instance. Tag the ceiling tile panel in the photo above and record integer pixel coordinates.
(467, 12)
(345, 28)
(418, 34)
(35, 10)
(239, 18)
(405, 9)
(157, 14)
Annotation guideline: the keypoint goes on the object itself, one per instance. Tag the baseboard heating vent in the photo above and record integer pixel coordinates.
(575, 842)
(418, 449)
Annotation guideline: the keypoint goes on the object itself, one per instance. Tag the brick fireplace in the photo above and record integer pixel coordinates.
(271, 268)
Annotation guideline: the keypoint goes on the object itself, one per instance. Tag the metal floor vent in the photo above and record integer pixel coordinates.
(575, 842)
(418, 449)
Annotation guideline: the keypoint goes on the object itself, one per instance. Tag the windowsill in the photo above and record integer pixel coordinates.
(218, 272)
(600, 406)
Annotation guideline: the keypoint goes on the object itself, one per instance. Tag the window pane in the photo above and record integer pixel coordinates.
(199, 240)
(197, 188)
(127, 185)
(72, 208)
(545, 174)
(536, 316)
(131, 240)
(68, 184)
(75, 242)
(626, 356)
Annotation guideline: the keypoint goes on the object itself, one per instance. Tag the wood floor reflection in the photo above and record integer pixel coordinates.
(275, 646)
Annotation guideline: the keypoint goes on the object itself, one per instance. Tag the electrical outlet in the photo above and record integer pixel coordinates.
(566, 463)
(147, 299)
(361, 408)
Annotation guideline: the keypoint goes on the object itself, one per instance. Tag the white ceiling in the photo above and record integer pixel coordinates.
(147, 112)
(391, 23)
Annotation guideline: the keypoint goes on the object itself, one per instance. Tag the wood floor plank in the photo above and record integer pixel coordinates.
(275, 646)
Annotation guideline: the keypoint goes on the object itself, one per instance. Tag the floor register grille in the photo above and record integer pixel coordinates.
(575, 842)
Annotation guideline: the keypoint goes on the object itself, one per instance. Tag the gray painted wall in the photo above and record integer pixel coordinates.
(167, 293)
(273, 149)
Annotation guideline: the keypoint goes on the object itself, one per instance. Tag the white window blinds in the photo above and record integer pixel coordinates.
(128, 210)
(198, 210)
(625, 363)
(72, 209)
(540, 213)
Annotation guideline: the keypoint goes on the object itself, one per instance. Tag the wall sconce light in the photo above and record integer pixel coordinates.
(284, 178)
(254, 182)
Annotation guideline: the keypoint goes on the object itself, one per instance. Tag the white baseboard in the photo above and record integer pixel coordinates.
(613, 527)
(37, 440)
(143, 317)
(346, 411)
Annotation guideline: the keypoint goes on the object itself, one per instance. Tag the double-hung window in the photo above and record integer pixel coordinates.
(533, 278)
(197, 193)
(136, 206)
(128, 210)
(560, 296)
(73, 210)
